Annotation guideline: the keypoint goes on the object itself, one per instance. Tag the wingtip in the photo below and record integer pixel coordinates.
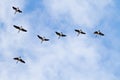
(13, 7)
(14, 25)
(37, 35)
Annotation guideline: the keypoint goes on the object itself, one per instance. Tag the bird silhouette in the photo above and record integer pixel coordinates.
(19, 28)
(79, 32)
(16, 9)
(60, 34)
(19, 59)
(98, 33)
(42, 38)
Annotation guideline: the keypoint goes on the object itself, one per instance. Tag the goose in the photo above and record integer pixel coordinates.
(99, 33)
(60, 34)
(16, 9)
(19, 28)
(42, 38)
(79, 31)
(19, 59)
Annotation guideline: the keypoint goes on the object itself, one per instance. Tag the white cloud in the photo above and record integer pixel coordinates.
(85, 12)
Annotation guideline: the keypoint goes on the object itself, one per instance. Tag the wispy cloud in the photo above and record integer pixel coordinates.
(84, 12)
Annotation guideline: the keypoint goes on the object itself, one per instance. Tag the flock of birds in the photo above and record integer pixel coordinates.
(59, 34)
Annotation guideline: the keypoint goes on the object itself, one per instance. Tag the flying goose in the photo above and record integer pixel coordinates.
(19, 59)
(42, 38)
(79, 31)
(99, 33)
(16, 9)
(19, 28)
(60, 34)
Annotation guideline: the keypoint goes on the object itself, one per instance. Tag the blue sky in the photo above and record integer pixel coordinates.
(83, 57)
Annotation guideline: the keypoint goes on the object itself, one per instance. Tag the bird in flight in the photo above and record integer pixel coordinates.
(79, 31)
(19, 28)
(42, 38)
(16, 10)
(60, 34)
(98, 33)
(19, 59)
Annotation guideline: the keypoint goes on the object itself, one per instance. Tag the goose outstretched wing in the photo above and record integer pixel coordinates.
(96, 32)
(46, 39)
(40, 37)
(83, 32)
(19, 11)
(57, 33)
(101, 34)
(17, 27)
(16, 58)
(14, 8)
(22, 61)
(76, 30)
(23, 30)
(63, 35)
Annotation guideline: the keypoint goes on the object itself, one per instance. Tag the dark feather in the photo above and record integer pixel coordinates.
(24, 30)
(16, 58)
(22, 61)
(40, 37)
(17, 27)
(101, 34)
(63, 35)
(96, 32)
(46, 39)
(19, 11)
(57, 33)
(14, 8)
(83, 33)
(77, 30)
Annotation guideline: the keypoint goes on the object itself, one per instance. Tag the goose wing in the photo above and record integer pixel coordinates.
(24, 30)
(76, 30)
(83, 32)
(14, 8)
(40, 37)
(22, 61)
(46, 39)
(57, 33)
(101, 34)
(17, 27)
(96, 32)
(63, 35)
(19, 11)
(16, 58)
